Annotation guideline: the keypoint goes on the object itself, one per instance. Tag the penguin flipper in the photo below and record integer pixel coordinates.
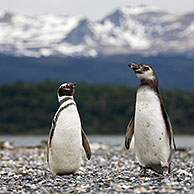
(50, 139)
(168, 126)
(171, 133)
(129, 133)
(86, 145)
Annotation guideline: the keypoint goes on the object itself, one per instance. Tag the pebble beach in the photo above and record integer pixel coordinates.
(111, 169)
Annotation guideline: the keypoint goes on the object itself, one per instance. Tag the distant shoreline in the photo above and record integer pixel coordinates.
(110, 140)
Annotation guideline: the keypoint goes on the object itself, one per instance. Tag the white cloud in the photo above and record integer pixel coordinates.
(92, 9)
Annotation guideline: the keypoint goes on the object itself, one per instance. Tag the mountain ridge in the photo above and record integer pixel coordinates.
(143, 30)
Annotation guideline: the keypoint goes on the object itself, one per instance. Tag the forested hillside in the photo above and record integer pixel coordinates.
(105, 109)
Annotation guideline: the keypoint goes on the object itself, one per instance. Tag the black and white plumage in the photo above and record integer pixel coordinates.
(150, 128)
(66, 138)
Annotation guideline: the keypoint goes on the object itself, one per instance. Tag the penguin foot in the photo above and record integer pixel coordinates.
(165, 170)
(142, 170)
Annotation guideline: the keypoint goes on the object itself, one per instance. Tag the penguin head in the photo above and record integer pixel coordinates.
(144, 71)
(66, 89)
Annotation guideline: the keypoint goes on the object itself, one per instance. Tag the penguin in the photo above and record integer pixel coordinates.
(150, 127)
(66, 137)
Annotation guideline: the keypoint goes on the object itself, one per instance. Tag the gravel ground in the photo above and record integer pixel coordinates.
(110, 170)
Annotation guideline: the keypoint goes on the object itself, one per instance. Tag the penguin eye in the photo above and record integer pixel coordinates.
(66, 88)
(146, 68)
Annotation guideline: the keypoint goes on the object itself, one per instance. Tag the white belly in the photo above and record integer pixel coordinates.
(151, 138)
(65, 154)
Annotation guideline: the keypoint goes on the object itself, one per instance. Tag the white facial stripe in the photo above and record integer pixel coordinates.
(146, 75)
(64, 85)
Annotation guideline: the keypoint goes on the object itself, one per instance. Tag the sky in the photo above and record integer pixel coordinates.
(93, 9)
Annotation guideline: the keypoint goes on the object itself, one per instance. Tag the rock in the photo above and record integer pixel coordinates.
(80, 190)
(6, 145)
(110, 170)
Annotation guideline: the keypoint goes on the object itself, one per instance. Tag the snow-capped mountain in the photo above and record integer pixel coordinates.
(141, 30)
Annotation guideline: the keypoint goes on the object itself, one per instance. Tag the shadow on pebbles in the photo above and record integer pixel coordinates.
(110, 170)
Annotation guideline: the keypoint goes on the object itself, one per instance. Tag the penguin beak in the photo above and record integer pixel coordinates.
(134, 66)
(72, 85)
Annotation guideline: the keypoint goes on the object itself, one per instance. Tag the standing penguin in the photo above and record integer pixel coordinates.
(150, 127)
(66, 138)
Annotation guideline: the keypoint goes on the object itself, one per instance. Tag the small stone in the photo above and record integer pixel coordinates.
(140, 190)
(180, 171)
(118, 187)
(8, 145)
(80, 190)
